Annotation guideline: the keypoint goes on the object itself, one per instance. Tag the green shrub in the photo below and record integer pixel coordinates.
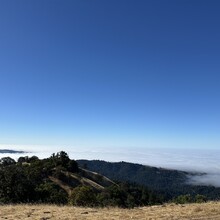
(83, 196)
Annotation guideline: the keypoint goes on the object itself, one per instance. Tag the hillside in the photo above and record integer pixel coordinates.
(58, 172)
(171, 183)
(203, 211)
(59, 180)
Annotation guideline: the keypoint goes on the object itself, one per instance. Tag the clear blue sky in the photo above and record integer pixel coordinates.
(110, 73)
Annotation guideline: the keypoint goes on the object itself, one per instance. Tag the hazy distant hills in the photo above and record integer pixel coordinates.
(169, 182)
(8, 151)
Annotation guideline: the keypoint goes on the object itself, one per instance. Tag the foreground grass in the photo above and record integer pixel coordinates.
(209, 210)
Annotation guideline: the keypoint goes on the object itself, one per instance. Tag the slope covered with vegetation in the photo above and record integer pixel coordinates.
(59, 180)
(170, 183)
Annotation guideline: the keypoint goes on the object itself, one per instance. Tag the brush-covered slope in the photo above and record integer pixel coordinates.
(32, 179)
(60, 180)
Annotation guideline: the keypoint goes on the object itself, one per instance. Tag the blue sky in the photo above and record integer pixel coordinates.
(110, 73)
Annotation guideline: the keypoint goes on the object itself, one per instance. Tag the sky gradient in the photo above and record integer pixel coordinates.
(110, 73)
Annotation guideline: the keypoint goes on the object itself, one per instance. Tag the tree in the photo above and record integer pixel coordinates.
(72, 166)
(5, 161)
(61, 159)
(21, 159)
(15, 186)
(33, 159)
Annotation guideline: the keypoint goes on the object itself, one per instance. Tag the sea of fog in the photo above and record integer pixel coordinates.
(195, 160)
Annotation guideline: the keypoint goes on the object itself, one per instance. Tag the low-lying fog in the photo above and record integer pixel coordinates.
(196, 160)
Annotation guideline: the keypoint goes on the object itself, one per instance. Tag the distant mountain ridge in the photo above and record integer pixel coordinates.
(9, 151)
(171, 183)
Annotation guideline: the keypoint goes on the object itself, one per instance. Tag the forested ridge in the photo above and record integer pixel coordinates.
(60, 180)
(170, 183)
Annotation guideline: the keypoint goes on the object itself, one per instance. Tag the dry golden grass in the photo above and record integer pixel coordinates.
(209, 210)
